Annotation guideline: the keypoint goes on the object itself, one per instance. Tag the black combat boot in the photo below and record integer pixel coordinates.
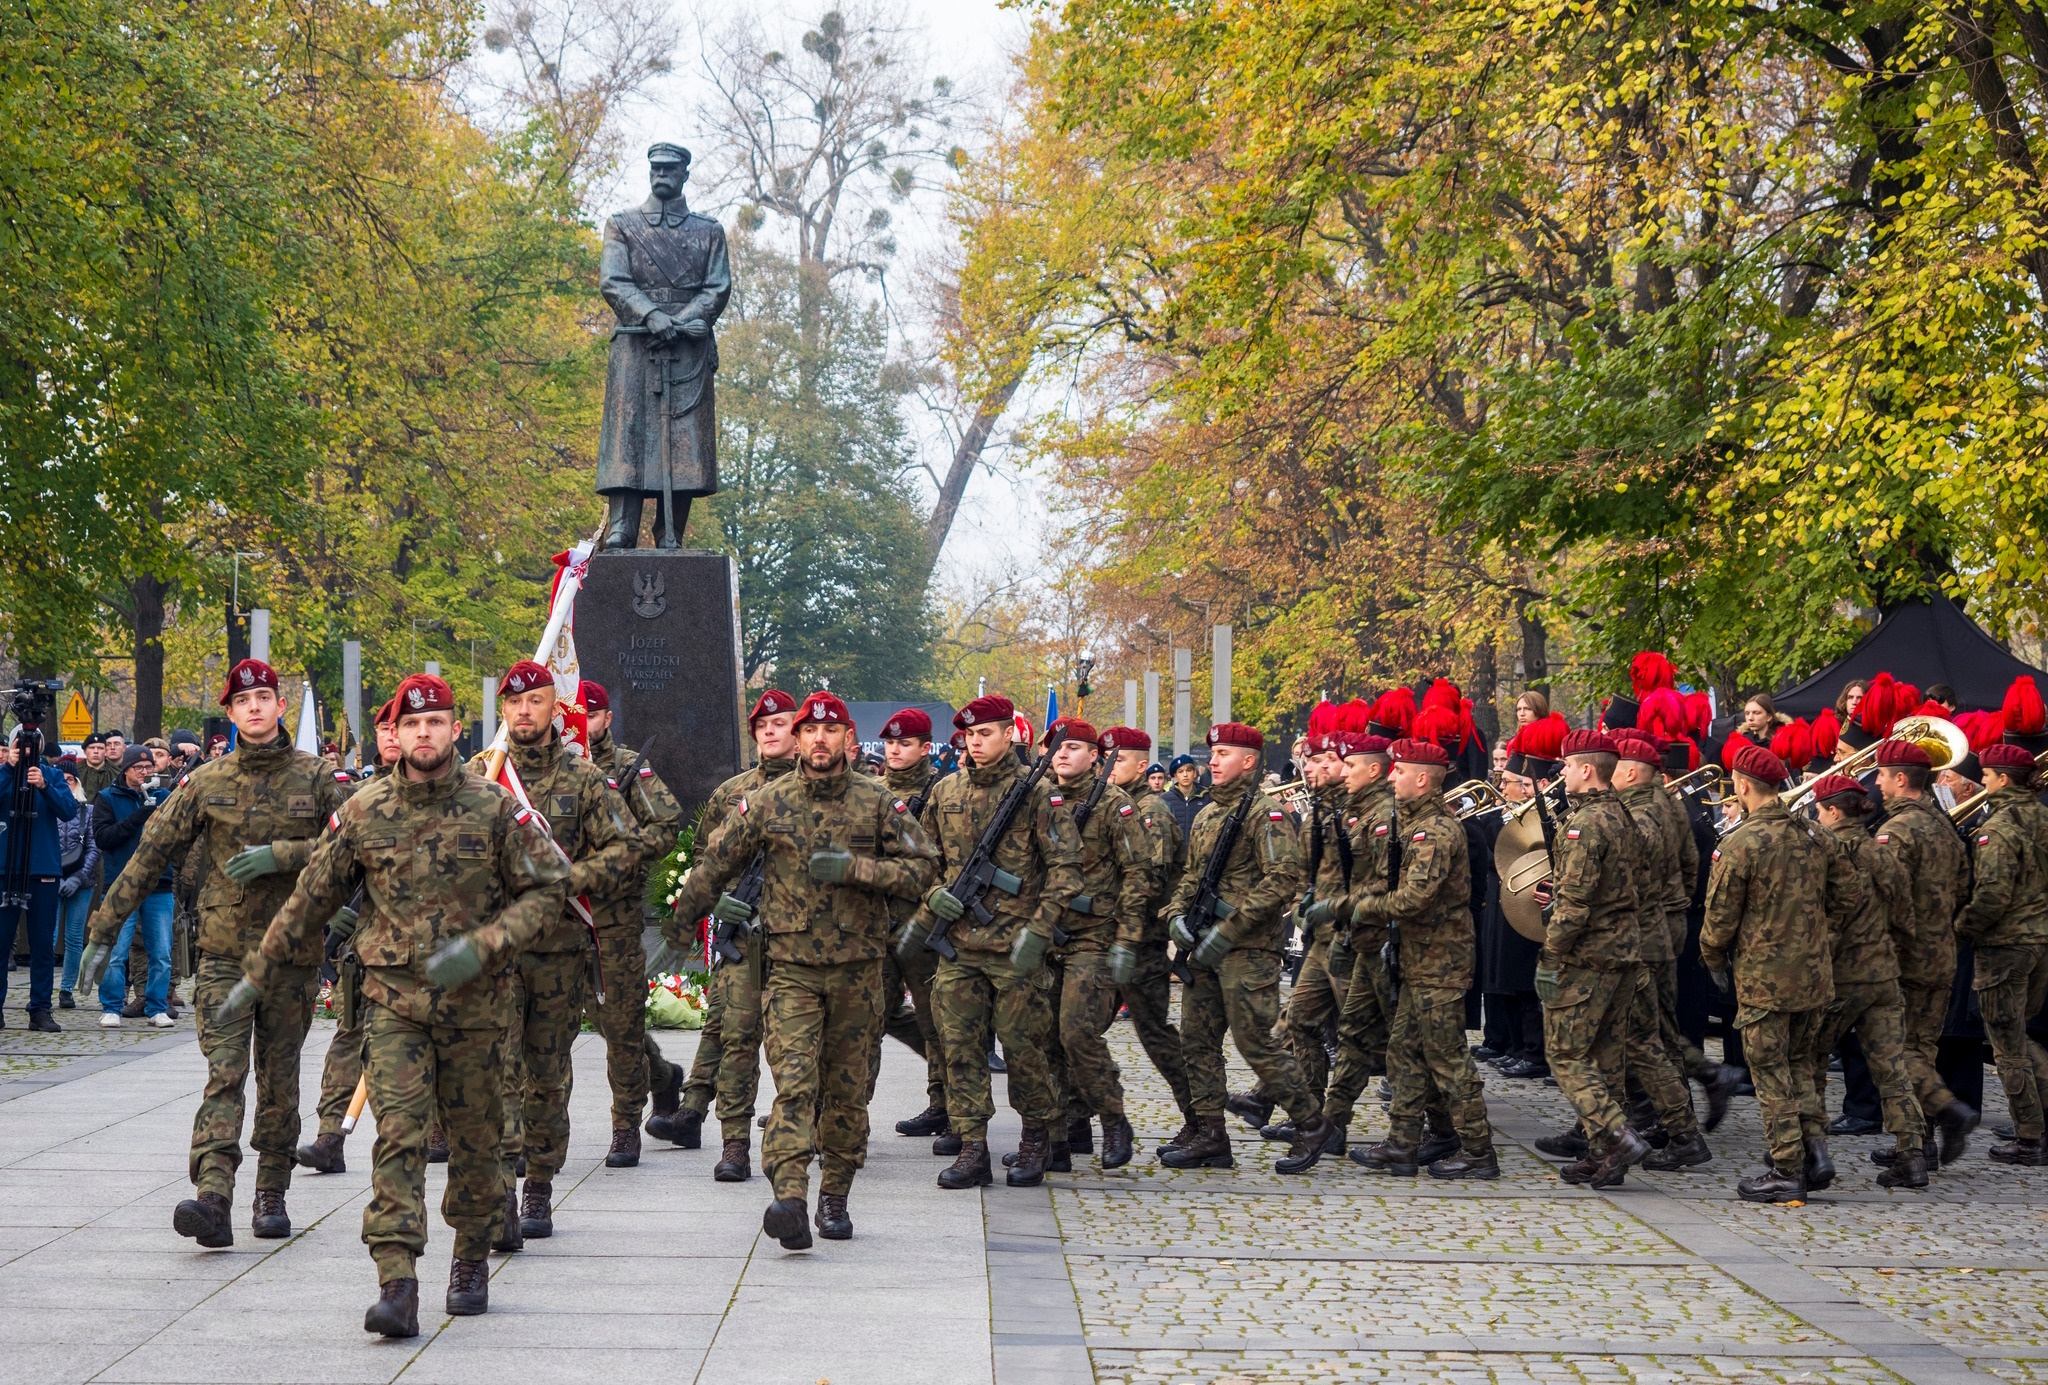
(1189, 1129)
(834, 1222)
(930, 1121)
(1467, 1164)
(625, 1151)
(1028, 1169)
(509, 1237)
(946, 1145)
(1719, 1088)
(1908, 1170)
(469, 1288)
(971, 1169)
(1059, 1155)
(1254, 1108)
(396, 1313)
(1279, 1132)
(207, 1219)
(324, 1154)
(1310, 1143)
(1772, 1185)
(1388, 1156)
(1624, 1149)
(687, 1129)
(1080, 1138)
(734, 1164)
(2026, 1153)
(1580, 1171)
(1820, 1166)
(787, 1222)
(1209, 1149)
(1436, 1144)
(536, 1214)
(1340, 1137)
(1955, 1121)
(1688, 1152)
(268, 1220)
(1117, 1137)
(667, 1099)
(1568, 1145)
(437, 1145)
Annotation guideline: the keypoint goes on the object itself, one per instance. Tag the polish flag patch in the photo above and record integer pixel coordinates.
(1419, 837)
(1057, 800)
(1984, 840)
(1275, 815)
(646, 773)
(1717, 853)
(1380, 831)
(742, 804)
(612, 784)
(334, 822)
(1884, 836)
(1125, 811)
(341, 776)
(1571, 834)
(522, 815)
(901, 806)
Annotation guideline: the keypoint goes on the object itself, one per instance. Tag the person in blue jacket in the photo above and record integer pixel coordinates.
(53, 804)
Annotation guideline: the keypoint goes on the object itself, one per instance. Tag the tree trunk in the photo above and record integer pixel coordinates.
(146, 598)
(1535, 650)
(1485, 685)
(965, 457)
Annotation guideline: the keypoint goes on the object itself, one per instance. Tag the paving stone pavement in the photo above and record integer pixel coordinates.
(1139, 1276)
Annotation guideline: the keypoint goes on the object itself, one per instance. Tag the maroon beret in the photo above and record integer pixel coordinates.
(984, 710)
(1831, 785)
(524, 677)
(1124, 738)
(1758, 763)
(2006, 757)
(1897, 752)
(250, 673)
(388, 712)
(593, 696)
(421, 693)
(1351, 743)
(1238, 734)
(908, 724)
(1636, 748)
(1411, 751)
(771, 702)
(1069, 729)
(824, 707)
(1594, 742)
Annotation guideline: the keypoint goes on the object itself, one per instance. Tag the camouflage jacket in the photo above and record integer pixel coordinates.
(1369, 817)
(1932, 856)
(1591, 921)
(655, 813)
(1040, 849)
(587, 820)
(1431, 899)
(913, 786)
(804, 920)
(1329, 860)
(257, 795)
(434, 860)
(1263, 877)
(1657, 866)
(1116, 870)
(730, 796)
(1162, 833)
(1777, 893)
(2009, 905)
(1861, 943)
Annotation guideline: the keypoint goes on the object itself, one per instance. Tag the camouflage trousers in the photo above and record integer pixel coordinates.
(1688, 1057)
(268, 1036)
(1364, 1023)
(1317, 999)
(1876, 1012)
(822, 1026)
(1241, 998)
(910, 1022)
(1926, 1013)
(548, 992)
(1647, 1059)
(1777, 1044)
(2011, 984)
(970, 991)
(420, 1075)
(1084, 1003)
(728, 1059)
(1585, 1037)
(1149, 998)
(632, 1061)
(1427, 1056)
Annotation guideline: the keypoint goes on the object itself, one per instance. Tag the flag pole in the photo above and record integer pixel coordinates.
(558, 616)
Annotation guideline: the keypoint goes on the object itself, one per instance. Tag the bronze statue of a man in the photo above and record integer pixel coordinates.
(665, 274)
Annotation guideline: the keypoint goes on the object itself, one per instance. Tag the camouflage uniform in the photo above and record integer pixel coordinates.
(633, 1060)
(343, 1066)
(1366, 1015)
(267, 795)
(979, 985)
(1777, 890)
(1867, 998)
(1923, 932)
(822, 994)
(1318, 994)
(1149, 995)
(1430, 904)
(551, 976)
(1241, 998)
(728, 1060)
(912, 1024)
(1591, 938)
(436, 860)
(2007, 920)
(1681, 852)
(1647, 1058)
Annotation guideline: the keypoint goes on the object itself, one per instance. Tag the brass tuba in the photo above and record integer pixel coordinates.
(1942, 739)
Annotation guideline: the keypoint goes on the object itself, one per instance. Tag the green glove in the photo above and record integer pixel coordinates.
(1723, 982)
(92, 966)
(1178, 931)
(1546, 984)
(732, 909)
(454, 964)
(942, 902)
(343, 924)
(242, 998)
(1123, 964)
(831, 867)
(1210, 951)
(910, 942)
(1027, 953)
(245, 865)
(1319, 913)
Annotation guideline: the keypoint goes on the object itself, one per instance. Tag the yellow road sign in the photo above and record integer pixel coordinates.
(76, 724)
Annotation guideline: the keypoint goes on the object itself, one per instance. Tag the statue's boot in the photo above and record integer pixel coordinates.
(622, 521)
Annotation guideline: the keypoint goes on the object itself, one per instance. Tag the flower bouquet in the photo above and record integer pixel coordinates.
(675, 1000)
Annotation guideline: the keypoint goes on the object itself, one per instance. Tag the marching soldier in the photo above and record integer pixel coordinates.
(550, 980)
(1235, 958)
(259, 809)
(1777, 891)
(728, 1061)
(998, 973)
(1367, 1013)
(835, 841)
(906, 755)
(457, 881)
(2006, 919)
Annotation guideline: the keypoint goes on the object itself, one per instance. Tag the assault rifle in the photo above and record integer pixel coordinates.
(1391, 953)
(978, 874)
(1209, 908)
(726, 935)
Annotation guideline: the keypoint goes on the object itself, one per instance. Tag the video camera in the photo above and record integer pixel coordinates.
(33, 699)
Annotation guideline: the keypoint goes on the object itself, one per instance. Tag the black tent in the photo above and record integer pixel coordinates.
(1922, 643)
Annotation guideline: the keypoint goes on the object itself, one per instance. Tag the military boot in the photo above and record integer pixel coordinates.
(1466, 1164)
(734, 1165)
(667, 1099)
(834, 1223)
(2027, 1153)
(1388, 1156)
(1718, 1087)
(1685, 1153)
(1820, 1166)
(1116, 1142)
(268, 1220)
(1437, 1144)
(1772, 1185)
(1340, 1137)
(1254, 1108)
(536, 1214)
(324, 1154)
(1625, 1148)
(625, 1151)
(1190, 1128)
(1908, 1170)
(930, 1121)
(1308, 1146)
(1580, 1171)
(971, 1169)
(1955, 1121)
(787, 1222)
(1279, 1132)
(469, 1288)
(1570, 1144)
(396, 1313)
(437, 1145)
(946, 1144)
(1059, 1155)
(687, 1129)
(509, 1237)
(1080, 1137)
(1209, 1149)
(207, 1219)
(1028, 1169)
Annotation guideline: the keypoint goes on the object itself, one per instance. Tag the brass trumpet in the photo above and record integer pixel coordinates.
(1480, 797)
(1961, 812)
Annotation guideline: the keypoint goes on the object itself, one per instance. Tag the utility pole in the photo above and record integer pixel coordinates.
(1219, 674)
(1183, 698)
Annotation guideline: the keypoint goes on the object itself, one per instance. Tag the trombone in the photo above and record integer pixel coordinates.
(1707, 779)
(1479, 796)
